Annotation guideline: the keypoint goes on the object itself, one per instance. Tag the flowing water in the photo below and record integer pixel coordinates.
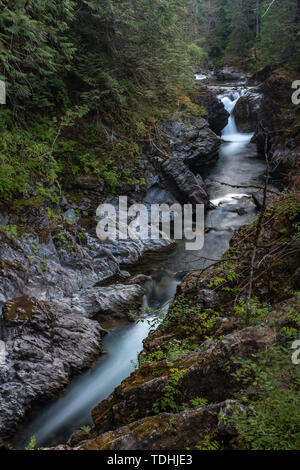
(238, 164)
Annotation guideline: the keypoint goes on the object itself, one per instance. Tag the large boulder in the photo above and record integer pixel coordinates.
(246, 111)
(185, 185)
(165, 431)
(115, 301)
(217, 115)
(44, 346)
(194, 142)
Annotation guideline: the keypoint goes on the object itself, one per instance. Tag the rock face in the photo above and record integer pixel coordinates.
(44, 347)
(194, 142)
(185, 186)
(246, 111)
(217, 115)
(101, 302)
(279, 118)
(204, 376)
(163, 432)
(56, 268)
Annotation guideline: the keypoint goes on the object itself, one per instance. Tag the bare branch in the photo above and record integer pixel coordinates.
(273, 1)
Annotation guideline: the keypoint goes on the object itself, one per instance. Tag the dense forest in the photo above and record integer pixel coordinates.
(113, 69)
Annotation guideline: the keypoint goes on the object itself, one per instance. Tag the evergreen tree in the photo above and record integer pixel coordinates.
(35, 50)
(279, 36)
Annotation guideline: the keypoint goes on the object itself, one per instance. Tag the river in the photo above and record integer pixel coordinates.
(238, 164)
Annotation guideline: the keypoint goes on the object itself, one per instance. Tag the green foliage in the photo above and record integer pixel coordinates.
(198, 402)
(272, 421)
(35, 51)
(244, 31)
(209, 444)
(168, 401)
(86, 429)
(253, 313)
(279, 28)
(32, 444)
(103, 71)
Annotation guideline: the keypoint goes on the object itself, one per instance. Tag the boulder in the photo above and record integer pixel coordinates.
(229, 74)
(115, 301)
(45, 345)
(246, 111)
(217, 115)
(278, 119)
(192, 141)
(186, 187)
(166, 431)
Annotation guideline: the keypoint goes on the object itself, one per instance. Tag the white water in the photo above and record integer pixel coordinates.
(200, 77)
(237, 164)
(230, 132)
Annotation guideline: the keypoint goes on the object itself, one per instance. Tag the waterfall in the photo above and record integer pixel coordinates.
(230, 133)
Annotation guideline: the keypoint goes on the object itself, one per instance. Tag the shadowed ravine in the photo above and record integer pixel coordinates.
(238, 164)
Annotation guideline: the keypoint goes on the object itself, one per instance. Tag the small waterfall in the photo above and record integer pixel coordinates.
(230, 133)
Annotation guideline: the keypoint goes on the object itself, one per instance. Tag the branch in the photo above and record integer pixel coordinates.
(273, 1)
(240, 186)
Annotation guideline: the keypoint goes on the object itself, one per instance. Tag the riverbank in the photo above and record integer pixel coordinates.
(218, 372)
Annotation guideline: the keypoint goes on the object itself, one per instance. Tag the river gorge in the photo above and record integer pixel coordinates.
(238, 164)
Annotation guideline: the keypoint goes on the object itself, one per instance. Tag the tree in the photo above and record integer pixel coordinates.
(35, 51)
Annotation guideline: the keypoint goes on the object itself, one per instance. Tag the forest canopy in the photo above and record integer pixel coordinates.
(87, 80)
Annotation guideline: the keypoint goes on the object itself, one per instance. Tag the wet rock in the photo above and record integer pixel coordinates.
(241, 211)
(217, 115)
(45, 346)
(229, 74)
(115, 301)
(246, 111)
(192, 141)
(165, 431)
(139, 279)
(186, 187)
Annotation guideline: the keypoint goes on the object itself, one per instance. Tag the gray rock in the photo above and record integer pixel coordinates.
(45, 345)
(217, 115)
(246, 111)
(229, 74)
(70, 216)
(192, 141)
(184, 185)
(208, 298)
(114, 301)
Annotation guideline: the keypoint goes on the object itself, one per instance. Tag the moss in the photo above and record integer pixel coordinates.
(19, 309)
